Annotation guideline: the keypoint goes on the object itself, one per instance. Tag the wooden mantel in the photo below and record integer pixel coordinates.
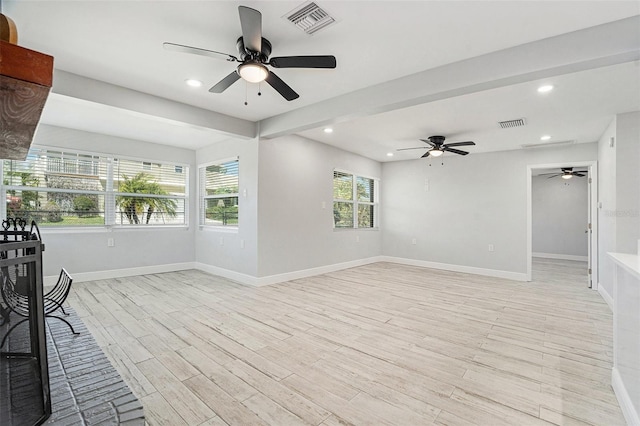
(26, 77)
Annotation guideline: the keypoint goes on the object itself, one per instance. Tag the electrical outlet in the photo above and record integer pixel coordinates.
(414, 241)
(357, 238)
(491, 248)
(110, 242)
(241, 244)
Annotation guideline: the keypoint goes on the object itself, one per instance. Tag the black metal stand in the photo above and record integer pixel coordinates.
(24, 371)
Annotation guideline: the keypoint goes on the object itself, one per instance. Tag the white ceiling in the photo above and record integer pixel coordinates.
(374, 42)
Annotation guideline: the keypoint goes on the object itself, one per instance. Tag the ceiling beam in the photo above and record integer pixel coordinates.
(608, 44)
(87, 89)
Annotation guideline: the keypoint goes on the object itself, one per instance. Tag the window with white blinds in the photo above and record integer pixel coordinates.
(355, 201)
(219, 188)
(66, 188)
(149, 193)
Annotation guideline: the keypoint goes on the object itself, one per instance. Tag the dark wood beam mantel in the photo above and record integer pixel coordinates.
(26, 77)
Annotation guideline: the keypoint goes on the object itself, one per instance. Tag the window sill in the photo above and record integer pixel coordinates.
(355, 229)
(220, 229)
(103, 228)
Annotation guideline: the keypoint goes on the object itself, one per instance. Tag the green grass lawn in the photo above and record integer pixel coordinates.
(75, 221)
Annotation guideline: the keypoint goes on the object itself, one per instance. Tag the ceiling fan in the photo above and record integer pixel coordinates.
(567, 173)
(253, 55)
(438, 147)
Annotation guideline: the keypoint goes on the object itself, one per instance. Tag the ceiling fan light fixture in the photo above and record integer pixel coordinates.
(436, 152)
(567, 176)
(253, 72)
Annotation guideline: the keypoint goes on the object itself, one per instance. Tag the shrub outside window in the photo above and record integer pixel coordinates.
(355, 201)
(57, 188)
(219, 188)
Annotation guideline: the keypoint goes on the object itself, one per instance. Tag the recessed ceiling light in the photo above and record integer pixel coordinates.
(389, 154)
(545, 138)
(193, 83)
(546, 88)
(328, 130)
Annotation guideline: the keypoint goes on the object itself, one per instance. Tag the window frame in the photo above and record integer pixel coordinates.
(109, 193)
(203, 197)
(355, 202)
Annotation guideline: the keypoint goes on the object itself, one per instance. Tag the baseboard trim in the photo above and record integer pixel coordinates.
(304, 273)
(624, 400)
(278, 278)
(606, 296)
(561, 257)
(516, 276)
(119, 273)
(238, 277)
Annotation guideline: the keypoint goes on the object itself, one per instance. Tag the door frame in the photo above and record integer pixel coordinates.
(592, 167)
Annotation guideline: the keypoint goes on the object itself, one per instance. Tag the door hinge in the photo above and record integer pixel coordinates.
(590, 180)
(589, 226)
(589, 271)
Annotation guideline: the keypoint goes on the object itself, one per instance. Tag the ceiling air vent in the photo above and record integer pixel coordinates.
(310, 18)
(512, 123)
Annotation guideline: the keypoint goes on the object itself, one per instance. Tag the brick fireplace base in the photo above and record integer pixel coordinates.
(85, 388)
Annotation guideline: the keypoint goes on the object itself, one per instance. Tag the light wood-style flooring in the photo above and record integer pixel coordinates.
(382, 344)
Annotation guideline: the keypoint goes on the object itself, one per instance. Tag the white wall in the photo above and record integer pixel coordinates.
(86, 251)
(606, 209)
(230, 256)
(559, 216)
(295, 232)
(619, 193)
(628, 182)
(455, 210)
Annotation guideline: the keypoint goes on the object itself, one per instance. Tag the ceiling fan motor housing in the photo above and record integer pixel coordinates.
(246, 54)
(438, 140)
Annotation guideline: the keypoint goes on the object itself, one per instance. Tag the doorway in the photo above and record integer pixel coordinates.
(550, 244)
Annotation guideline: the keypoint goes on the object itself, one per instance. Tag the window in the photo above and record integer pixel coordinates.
(219, 186)
(355, 201)
(146, 195)
(178, 169)
(57, 188)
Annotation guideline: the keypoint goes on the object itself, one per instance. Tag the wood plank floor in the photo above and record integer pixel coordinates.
(382, 344)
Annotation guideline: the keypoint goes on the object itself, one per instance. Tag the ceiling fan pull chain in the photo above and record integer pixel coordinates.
(260, 89)
(246, 89)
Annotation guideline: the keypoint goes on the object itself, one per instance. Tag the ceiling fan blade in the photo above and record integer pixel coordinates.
(197, 51)
(466, 143)
(251, 23)
(405, 149)
(224, 84)
(556, 175)
(326, 61)
(428, 141)
(426, 154)
(578, 174)
(281, 87)
(455, 151)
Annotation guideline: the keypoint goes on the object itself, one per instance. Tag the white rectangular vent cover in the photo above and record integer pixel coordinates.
(310, 18)
(512, 123)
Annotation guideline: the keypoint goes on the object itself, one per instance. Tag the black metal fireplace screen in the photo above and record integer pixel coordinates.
(24, 374)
